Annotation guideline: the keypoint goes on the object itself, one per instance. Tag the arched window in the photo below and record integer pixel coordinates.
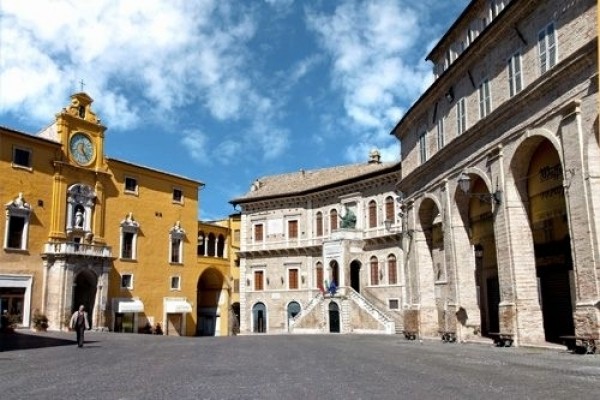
(392, 271)
(372, 214)
(220, 246)
(319, 224)
(374, 271)
(333, 220)
(211, 245)
(389, 209)
(319, 276)
(293, 309)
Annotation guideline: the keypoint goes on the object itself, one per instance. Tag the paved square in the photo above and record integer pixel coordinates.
(131, 366)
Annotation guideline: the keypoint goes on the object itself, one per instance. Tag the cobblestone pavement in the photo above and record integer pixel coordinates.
(131, 366)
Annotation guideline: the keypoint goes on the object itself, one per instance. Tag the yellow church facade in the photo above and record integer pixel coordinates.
(121, 239)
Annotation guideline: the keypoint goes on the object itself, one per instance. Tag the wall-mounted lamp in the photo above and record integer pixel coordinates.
(303, 279)
(247, 282)
(282, 280)
(464, 182)
(388, 224)
(450, 95)
(268, 281)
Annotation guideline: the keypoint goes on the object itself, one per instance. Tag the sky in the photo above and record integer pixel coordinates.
(224, 91)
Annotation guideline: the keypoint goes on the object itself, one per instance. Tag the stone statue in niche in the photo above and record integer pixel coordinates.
(78, 219)
(349, 219)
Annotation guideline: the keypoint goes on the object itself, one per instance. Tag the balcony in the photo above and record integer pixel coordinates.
(77, 249)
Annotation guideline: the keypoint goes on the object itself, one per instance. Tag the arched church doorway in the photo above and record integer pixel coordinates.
(355, 275)
(334, 318)
(259, 318)
(551, 241)
(84, 292)
(210, 291)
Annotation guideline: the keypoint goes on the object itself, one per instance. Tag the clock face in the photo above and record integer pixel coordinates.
(82, 149)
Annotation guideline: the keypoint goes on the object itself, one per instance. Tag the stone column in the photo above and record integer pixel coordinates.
(578, 202)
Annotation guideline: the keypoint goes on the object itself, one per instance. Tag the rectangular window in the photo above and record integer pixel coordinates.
(21, 157)
(515, 82)
(16, 227)
(461, 116)
(485, 101)
(293, 278)
(258, 233)
(393, 304)
(547, 48)
(176, 250)
(127, 248)
(175, 283)
(236, 236)
(177, 196)
(258, 280)
(440, 133)
(131, 185)
(127, 281)
(423, 146)
(236, 286)
(293, 229)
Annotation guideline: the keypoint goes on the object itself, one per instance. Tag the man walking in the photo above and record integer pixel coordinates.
(79, 322)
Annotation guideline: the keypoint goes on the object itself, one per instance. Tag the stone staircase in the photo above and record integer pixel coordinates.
(388, 322)
(315, 301)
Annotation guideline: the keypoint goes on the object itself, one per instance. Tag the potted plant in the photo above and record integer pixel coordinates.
(8, 323)
(40, 321)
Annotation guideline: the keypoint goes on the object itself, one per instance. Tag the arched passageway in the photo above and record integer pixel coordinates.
(551, 241)
(209, 298)
(259, 318)
(84, 292)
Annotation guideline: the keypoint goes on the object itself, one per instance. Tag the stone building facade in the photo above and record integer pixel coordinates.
(319, 251)
(500, 167)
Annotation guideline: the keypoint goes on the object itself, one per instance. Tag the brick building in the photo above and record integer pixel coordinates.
(500, 167)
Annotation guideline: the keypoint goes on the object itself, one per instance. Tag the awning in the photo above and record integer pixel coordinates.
(175, 306)
(130, 306)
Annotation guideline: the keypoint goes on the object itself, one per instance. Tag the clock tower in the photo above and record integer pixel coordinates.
(81, 133)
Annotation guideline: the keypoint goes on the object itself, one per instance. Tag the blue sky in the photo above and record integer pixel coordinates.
(224, 91)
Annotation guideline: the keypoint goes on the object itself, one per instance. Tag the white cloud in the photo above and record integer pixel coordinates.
(376, 64)
(140, 59)
(197, 145)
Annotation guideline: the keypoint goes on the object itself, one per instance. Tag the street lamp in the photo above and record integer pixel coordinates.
(464, 182)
